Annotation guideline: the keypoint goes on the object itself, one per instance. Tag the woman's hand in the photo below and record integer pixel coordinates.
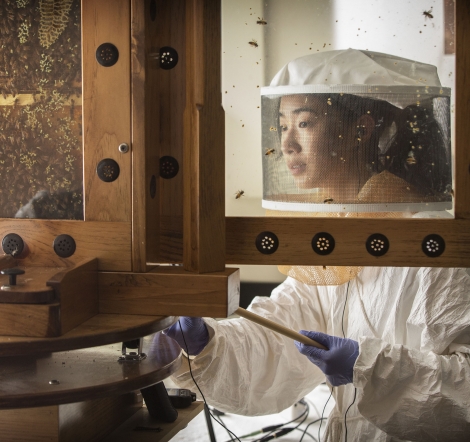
(192, 336)
(337, 361)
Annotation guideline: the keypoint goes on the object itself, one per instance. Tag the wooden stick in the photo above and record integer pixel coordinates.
(277, 327)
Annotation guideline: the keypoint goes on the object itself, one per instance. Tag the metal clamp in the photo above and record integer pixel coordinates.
(132, 355)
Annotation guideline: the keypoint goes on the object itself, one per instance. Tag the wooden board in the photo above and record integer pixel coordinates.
(170, 31)
(77, 293)
(109, 242)
(152, 430)
(106, 109)
(204, 140)
(85, 421)
(102, 329)
(31, 320)
(295, 237)
(462, 109)
(49, 301)
(30, 287)
(86, 374)
(171, 291)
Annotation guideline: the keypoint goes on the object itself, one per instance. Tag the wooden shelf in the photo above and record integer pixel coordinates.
(102, 329)
(143, 428)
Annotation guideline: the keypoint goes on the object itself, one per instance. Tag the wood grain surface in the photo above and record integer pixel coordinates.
(77, 293)
(82, 421)
(170, 291)
(102, 329)
(462, 109)
(106, 109)
(204, 141)
(109, 242)
(295, 237)
(84, 374)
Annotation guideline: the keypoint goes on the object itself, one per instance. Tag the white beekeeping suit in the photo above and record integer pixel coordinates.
(411, 378)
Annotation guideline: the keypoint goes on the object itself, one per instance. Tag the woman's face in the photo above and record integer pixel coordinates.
(317, 144)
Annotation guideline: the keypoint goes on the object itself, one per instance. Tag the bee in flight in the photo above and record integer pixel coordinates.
(328, 200)
(270, 151)
(239, 194)
(253, 43)
(427, 14)
(261, 21)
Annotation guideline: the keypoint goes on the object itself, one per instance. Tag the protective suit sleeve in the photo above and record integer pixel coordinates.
(250, 370)
(422, 393)
(414, 395)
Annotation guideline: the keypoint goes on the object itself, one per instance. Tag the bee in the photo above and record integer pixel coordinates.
(411, 160)
(253, 43)
(261, 21)
(427, 14)
(270, 151)
(239, 194)
(328, 200)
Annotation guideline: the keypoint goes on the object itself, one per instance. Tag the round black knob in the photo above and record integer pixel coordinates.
(12, 273)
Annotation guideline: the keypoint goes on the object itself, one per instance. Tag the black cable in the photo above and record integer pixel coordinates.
(194, 380)
(342, 327)
(307, 433)
(311, 423)
(303, 415)
(345, 426)
(222, 421)
(323, 412)
(344, 308)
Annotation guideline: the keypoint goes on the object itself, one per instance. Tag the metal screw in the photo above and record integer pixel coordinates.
(123, 148)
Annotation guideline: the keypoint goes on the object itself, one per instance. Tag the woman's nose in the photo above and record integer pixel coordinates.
(290, 144)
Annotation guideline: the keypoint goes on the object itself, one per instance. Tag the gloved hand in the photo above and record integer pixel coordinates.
(337, 361)
(194, 331)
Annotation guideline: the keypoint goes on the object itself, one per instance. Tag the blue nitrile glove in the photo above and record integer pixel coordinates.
(337, 362)
(194, 331)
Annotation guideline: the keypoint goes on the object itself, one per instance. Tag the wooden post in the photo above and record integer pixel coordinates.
(204, 134)
(462, 109)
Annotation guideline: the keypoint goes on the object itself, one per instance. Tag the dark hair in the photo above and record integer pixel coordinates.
(420, 150)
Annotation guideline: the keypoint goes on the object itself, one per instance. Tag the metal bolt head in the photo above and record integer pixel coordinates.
(54, 382)
(123, 148)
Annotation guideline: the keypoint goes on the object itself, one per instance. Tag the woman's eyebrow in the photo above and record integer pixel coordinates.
(300, 110)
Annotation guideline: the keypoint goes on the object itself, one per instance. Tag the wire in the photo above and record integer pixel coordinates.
(345, 414)
(311, 423)
(302, 416)
(307, 433)
(223, 423)
(323, 412)
(344, 308)
(342, 327)
(194, 380)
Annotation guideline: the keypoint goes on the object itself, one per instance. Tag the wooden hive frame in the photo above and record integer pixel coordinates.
(178, 113)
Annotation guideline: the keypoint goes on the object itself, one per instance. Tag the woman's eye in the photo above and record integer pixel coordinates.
(283, 127)
(303, 124)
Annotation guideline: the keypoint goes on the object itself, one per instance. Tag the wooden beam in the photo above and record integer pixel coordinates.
(462, 109)
(204, 136)
(295, 237)
(170, 291)
(106, 109)
(109, 242)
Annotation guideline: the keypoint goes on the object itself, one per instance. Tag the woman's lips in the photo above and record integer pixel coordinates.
(297, 168)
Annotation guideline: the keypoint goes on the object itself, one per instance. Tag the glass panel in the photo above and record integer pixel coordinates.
(41, 154)
(260, 37)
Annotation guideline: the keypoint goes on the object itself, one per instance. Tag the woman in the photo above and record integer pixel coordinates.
(397, 339)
